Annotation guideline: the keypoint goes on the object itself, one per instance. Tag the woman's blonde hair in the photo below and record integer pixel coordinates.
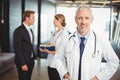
(61, 18)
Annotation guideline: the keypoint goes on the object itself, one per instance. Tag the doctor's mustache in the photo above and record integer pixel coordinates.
(82, 24)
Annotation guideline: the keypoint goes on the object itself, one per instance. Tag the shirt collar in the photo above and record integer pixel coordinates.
(86, 36)
(27, 27)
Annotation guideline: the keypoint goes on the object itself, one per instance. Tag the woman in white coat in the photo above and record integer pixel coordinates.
(59, 22)
(96, 47)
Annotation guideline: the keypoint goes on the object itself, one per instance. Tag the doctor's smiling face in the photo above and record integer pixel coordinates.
(84, 19)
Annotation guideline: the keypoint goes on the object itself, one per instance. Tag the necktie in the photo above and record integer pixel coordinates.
(81, 52)
(31, 35)
(32, 39)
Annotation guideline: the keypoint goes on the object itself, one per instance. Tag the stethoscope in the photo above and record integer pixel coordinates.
(94, 53)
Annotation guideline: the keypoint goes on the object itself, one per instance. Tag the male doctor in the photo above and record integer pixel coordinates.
(80, 54)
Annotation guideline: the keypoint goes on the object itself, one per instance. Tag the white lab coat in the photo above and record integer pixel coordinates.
(55, 39)
(67, 58)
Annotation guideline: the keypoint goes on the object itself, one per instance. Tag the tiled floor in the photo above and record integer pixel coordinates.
(39, 72)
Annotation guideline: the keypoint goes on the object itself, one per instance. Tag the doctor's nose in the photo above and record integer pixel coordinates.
(83, 20)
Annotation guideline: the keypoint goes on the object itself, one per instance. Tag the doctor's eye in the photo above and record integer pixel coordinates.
(79, 18)
(87, 18)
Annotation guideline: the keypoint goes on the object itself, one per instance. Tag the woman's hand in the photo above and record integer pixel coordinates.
(47, 51)
(44, 50)
(94, 78)
(41, 50)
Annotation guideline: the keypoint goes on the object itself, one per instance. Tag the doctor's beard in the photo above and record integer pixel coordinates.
(83, 29)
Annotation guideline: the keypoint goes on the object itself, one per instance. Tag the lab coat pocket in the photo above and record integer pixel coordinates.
(95, 62)
(68, 56)
(97, 58)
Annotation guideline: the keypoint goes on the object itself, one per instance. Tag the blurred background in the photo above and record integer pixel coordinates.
(106, 14)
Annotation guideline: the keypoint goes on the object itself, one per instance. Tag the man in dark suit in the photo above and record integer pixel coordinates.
(23, 46)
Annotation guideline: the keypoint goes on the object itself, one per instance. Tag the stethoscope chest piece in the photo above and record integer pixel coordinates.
(93, 55)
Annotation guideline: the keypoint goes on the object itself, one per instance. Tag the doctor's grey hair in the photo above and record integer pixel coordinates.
(84, 7)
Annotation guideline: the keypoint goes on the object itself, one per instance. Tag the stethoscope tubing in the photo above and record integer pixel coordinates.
(94, 44)
(93, 55)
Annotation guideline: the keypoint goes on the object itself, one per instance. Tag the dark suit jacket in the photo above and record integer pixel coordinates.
(22, 46)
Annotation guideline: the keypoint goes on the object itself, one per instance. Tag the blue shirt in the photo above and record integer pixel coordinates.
(86, 37)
